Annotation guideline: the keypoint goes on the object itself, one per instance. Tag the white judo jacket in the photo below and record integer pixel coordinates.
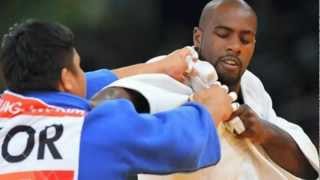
(240, 159)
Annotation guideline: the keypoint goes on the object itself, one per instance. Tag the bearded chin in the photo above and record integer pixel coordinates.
(228, 80)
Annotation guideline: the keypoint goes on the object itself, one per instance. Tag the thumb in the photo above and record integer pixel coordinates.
(237, 112)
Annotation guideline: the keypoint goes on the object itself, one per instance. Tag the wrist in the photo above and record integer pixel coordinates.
(158, 67)
(267, 133)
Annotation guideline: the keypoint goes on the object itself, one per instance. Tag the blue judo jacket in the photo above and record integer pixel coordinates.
(58, 135)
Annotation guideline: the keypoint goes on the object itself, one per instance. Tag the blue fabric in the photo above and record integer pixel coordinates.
(116, 141)
(97, 80)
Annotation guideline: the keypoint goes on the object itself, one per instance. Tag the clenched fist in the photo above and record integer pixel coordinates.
(255, 128)
(217, 101)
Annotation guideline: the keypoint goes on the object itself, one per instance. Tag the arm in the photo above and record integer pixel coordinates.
(96, 80)
(299, 144)
(292, 159)
(277, 143)
(188, 141)
(183, 139)
(171, 141)
(174, 65)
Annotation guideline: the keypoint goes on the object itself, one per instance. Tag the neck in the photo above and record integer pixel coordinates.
(235, 87)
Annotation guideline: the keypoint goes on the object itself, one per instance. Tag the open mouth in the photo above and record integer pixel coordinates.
(230, 63)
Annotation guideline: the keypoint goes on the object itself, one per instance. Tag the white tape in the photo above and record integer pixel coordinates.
(218, 83)
(235, 126)
(235, 106)
(233, 96)
(225, 87)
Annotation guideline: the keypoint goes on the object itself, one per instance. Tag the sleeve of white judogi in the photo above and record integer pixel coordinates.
(260, 101)
(296, 132)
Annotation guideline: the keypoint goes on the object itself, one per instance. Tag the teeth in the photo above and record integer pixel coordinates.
(231, 62)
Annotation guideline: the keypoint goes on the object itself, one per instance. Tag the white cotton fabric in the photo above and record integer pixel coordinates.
(161, 91)
(241, 160)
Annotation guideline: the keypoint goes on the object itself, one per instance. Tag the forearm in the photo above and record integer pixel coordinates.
(142, 68)
(284, 151)
(173, 65)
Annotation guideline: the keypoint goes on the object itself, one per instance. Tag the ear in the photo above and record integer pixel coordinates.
(66, 78)
(197, 34)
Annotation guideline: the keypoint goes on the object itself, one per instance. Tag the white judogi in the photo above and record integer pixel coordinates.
(241, 160)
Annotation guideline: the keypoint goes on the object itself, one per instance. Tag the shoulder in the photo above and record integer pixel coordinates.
(98, 79)
(112, 108)
(101, 74)
(111, 118)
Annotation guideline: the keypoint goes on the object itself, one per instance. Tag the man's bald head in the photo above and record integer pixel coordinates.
(226, 38)
(212, 5)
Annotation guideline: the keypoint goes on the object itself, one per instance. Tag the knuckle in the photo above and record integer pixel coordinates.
(184, 52)
(246, 107)
(180, 55)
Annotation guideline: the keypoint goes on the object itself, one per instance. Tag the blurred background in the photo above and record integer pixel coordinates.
(113, 33)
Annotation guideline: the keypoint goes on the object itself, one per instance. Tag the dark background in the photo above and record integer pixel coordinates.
(113, 33)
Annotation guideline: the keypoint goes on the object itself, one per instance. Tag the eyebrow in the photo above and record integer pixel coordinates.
(230, 29)
(223, 27)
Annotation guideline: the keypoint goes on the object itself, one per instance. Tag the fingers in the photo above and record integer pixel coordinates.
(180, 60)
(193, 52)
(178, 64)
(188, 51)
(225, 87)
(236, 126)
(193, 73)
(233, 96)
(241, 121)
(235, 106)
(239, 111)
(190, 64)
(218, 83)
(191, 56)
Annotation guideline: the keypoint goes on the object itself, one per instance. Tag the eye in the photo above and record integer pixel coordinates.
(223, 33)
(246, 38)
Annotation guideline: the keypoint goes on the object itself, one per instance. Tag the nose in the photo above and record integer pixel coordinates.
(234, 46)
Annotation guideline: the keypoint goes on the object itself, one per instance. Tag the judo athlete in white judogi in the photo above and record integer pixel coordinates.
(240, 158)
(267, 146)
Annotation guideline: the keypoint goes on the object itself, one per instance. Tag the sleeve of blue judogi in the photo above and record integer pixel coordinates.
(98, 79)
(118, 140)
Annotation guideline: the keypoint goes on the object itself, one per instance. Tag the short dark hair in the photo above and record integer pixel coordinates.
(33, 54)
